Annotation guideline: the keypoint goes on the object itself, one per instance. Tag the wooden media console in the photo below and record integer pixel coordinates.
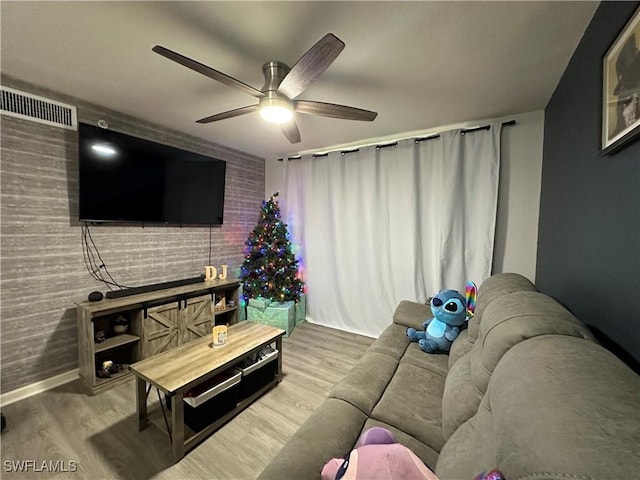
(158, 321)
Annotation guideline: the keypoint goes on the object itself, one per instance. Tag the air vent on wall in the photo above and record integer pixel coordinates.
(37, 109)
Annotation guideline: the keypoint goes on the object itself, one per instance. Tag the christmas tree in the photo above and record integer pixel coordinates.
(270, 269)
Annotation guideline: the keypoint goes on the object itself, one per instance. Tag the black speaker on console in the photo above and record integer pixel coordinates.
(95, 296)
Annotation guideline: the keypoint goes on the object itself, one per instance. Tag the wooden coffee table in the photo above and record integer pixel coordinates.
(178, 370)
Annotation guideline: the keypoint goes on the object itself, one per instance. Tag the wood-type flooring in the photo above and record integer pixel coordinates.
(96, 437)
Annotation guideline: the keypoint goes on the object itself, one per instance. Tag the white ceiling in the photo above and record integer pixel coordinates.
(420, 65)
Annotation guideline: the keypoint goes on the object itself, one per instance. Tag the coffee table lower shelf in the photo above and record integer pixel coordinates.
(193, 441)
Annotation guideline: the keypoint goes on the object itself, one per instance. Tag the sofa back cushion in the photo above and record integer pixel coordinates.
(491, 289)
(556, 407)
(513, 318)
(460, 398)
(507, 321)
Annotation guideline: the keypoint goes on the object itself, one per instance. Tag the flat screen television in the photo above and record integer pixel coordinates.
(128, 179)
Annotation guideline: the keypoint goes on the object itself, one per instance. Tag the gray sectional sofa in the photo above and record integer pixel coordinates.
(526, 389)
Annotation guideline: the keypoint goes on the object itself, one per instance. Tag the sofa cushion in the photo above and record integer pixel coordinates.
(556, 407)
(509, 320)
(492, 288)
(513, 318)
(460, 347)
(460, 399)
(495, 287)
(411, 314)
(457, 457)
(412, 403)
(331, 431)
(393, 341)
(363, 386)
(434, 362)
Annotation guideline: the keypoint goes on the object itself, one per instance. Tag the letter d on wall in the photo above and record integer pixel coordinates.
(210, 272)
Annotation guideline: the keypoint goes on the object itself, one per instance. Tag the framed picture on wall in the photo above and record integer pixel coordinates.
(621, 88)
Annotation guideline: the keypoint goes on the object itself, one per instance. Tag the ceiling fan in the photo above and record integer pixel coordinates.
(282, 85)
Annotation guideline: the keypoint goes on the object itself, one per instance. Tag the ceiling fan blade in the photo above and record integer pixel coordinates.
(230, 114)
(207, 71)
(311, 65)
(334, 111)
(290, 130)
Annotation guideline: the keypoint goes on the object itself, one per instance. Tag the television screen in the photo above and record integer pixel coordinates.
(128, 179)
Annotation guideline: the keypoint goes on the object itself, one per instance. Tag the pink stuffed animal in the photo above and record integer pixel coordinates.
(377, 456)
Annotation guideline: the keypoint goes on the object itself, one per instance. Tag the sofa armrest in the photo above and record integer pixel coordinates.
(331, 431)
(411, 314)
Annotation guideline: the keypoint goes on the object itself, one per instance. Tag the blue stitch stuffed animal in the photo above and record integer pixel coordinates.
(450, 312)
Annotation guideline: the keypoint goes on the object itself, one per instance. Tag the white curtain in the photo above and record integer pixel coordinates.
(381, 225)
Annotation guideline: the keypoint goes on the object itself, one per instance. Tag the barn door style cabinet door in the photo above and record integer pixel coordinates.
(155, 322)
(195, 321)
(174, 324)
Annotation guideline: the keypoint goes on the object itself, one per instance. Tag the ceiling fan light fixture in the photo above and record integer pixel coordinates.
(276, 110)
(282, 85)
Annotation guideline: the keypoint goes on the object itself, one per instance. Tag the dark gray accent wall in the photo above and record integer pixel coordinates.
(589, 231)
(43, 272)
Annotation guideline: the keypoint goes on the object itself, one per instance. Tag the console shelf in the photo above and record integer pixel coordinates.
(157, 321)
(116, 341)
(226, 310)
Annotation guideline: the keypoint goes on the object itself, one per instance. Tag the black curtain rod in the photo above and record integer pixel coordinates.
(488, 127)
(344, 152)
(467, 130)
(394, 144)
(417, 140)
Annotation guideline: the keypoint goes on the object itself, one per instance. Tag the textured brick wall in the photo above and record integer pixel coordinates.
(42, 271)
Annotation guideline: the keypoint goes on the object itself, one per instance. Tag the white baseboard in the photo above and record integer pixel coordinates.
(37, 387)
